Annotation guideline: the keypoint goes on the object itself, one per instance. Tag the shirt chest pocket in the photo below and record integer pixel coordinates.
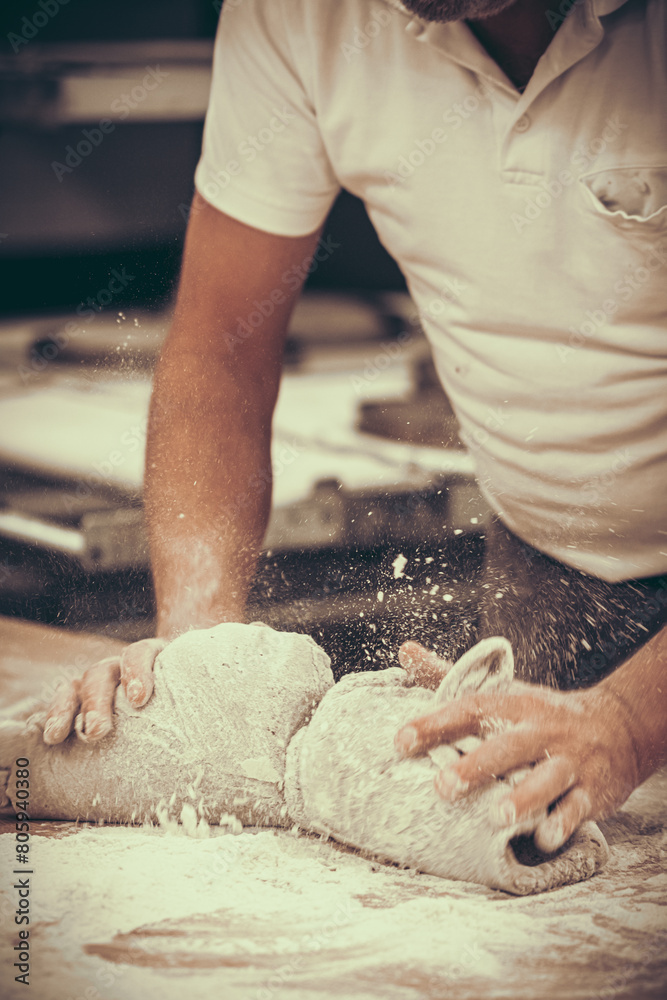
(631, 199)
(624, 236)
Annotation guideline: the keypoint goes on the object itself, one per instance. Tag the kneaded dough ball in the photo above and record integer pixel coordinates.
(213, 737)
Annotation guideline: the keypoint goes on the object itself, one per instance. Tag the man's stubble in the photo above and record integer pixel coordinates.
(455, 10)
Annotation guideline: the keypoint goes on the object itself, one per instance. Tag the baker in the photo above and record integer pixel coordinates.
(513, 158)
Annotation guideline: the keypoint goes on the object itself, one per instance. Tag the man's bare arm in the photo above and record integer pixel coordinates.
(208, 464)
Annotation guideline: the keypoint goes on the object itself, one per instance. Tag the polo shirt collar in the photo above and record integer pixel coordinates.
(580, 32)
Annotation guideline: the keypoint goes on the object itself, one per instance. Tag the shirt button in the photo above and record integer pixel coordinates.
(415, 28)
(523, 124)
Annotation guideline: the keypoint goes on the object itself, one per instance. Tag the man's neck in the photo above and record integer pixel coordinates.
(516, 38)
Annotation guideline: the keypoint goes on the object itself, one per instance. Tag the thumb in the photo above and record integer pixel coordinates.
(423, 666)
(136, 669)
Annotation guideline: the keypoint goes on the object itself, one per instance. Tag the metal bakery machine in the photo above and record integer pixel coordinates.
(377, 526)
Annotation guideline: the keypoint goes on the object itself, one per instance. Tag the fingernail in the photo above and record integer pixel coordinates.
(504, 814)
(94, 724)
(450, 786)
(53, 729)
(407, 739)
(550, 839)
(136, 692)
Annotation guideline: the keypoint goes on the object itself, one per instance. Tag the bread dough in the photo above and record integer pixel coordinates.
(210, 742)
(345, 779)
(228, 737)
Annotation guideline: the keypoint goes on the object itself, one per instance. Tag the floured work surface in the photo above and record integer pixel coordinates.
(126, 913)
(130, 912)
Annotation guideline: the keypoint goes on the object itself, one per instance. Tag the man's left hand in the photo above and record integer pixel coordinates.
(581, 745)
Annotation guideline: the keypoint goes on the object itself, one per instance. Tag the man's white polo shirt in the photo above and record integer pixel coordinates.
(531, 228)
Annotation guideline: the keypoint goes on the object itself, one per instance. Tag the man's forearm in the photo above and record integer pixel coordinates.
(208, 462)
(207, 489)
(640, 684)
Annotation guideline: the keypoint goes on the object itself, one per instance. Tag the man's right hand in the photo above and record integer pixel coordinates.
(86, 704)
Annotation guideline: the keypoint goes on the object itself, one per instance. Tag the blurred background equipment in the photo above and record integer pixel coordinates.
(101, 114)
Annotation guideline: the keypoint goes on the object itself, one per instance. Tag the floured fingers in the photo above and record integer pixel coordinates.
(136, 669)
(97, 689)
(568, 814)
(423, 666)
(60, 713)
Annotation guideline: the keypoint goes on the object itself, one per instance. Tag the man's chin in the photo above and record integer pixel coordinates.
(455, 10)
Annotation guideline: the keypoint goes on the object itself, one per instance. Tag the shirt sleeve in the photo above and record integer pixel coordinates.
(263, 160)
